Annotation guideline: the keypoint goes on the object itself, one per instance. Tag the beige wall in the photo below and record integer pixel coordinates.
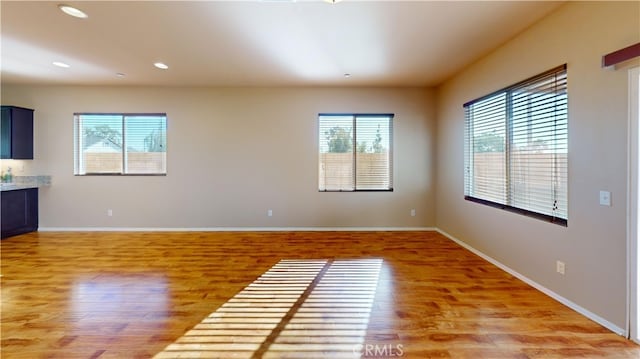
(593, 246)
(232, 155)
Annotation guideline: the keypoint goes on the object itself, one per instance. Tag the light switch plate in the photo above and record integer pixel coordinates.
(605, 198)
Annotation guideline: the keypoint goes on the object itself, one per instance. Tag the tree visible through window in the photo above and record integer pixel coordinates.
(355, 152)
(120, 144)
(516, 147)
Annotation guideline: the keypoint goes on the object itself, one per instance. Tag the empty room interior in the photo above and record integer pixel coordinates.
(319, 179)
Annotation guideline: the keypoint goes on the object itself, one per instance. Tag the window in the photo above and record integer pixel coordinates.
(355, 152)
(516, 147)
(120, 144)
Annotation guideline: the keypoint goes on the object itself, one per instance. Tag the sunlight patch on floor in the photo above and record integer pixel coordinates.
(298, 308)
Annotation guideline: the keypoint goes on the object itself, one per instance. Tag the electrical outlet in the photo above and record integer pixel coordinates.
(110, 213)
(413, 213)
(560, 267)
(605, 198)
(269, 213)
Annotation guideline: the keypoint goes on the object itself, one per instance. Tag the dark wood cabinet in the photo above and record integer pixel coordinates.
(16, 133)
(19, 211)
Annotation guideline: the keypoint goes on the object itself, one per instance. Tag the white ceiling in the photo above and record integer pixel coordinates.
(256, 43)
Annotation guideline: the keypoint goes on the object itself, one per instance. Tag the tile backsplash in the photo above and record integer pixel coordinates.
(25, 172)
(18, 167)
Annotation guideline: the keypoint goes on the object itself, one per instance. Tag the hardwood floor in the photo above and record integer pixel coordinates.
(138, 295)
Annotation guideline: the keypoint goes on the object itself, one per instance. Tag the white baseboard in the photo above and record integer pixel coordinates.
(596, 318)
(231, 229)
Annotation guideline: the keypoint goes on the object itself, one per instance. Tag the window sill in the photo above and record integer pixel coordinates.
(544, 217)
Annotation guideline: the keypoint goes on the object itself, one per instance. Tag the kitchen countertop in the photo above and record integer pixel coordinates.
(26, 182)
(14, 186)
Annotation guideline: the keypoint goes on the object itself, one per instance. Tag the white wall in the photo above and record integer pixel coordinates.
(232, 154)
(593, 246)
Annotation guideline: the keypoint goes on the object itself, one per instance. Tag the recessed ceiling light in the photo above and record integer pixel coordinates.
(61, 64)
(75, 12)
(160, 65)
(347, 75)
(120, 74)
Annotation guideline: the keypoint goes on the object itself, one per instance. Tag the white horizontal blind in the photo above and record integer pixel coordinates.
(516, 147)
(355, 152)
(336, 159)
(146, 144)
(373, 153)
(98, 144)
(120, 144)
(486, 125)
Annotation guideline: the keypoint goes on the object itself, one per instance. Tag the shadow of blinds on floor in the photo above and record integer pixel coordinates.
(298, 308)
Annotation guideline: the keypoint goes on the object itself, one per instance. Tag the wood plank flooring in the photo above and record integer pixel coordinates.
(133, 295)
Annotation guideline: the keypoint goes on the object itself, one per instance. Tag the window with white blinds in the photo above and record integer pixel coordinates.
(120, 144)
(516, 147)
(355, 152)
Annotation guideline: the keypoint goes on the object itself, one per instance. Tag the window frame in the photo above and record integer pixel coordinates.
(469, 150)
(77, 151)
(390, 117)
